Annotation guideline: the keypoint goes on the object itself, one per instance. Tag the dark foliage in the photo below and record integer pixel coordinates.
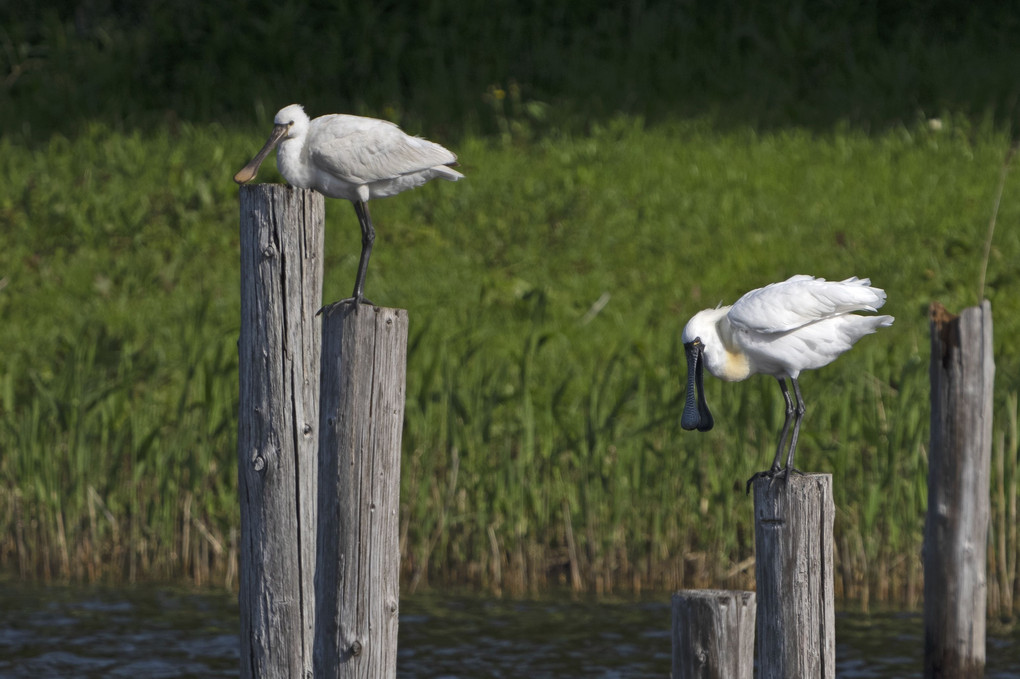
(799, 62)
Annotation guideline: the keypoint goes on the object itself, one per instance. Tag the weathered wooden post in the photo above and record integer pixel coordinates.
(713, 634)
(277, 442)
(364, 361)
(962, 374)
(793, 568)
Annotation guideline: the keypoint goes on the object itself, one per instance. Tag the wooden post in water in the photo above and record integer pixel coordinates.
(713, 634)
(959, 460)
(364, 360)
(793, 567)
(278, 357)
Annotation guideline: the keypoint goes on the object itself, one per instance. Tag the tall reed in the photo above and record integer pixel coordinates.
(547, 293)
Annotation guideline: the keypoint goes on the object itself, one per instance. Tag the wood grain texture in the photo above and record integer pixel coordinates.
(278, 361)
(358, 566)
(713, 634)
(793, 521)
(962, 373)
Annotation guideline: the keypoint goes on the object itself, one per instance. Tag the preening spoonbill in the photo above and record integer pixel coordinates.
(354, 158)
(779, 330)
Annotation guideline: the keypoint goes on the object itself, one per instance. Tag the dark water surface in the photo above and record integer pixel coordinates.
(165, 632)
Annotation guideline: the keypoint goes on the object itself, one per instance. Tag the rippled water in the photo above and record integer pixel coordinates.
(129, 632)
(161, 632)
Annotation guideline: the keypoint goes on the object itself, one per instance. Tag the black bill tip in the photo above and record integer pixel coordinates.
(696, 415)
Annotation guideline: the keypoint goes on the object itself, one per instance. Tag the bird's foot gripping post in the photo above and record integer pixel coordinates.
(793, 569)
(772, 475)
(327, 309)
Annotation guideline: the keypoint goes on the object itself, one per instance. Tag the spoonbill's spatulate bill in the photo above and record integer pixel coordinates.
(354, 158)
(779, 330)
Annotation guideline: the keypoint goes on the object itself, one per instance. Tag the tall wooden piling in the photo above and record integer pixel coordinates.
(962, 373)
(713, 634)
(793, 521)
(364, 361)
(278, 356)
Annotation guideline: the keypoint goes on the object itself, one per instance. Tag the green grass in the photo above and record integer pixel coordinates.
(546, 294)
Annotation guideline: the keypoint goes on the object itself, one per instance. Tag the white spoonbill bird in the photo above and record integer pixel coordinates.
(354, 158)
(779, 330)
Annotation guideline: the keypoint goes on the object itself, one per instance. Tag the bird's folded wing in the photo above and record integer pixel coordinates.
(800, 300)
(377, 153)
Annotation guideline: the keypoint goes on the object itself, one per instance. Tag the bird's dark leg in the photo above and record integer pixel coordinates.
(775, 470)
(367, 239)
(801, 409)
(786, 426)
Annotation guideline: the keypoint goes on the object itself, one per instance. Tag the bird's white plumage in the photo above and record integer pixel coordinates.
(778, 330)
(356, 158)
(784, 328)
(800, 300)
(360, 150)
(350, 157)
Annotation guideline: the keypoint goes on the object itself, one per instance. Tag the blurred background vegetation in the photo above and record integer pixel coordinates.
(872, 63)
(627, 164)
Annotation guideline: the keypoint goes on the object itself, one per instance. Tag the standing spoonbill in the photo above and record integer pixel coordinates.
(779, 330)
(354, 158)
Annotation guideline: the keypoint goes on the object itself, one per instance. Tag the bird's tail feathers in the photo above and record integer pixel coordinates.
(860, 296)
(873, 323)
(447, 173)
(857, 327)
